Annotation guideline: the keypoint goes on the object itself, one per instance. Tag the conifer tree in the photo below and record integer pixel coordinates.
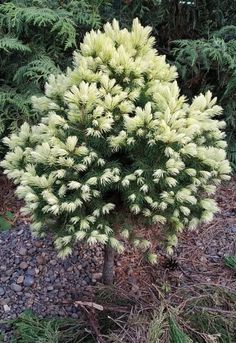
(117, 141)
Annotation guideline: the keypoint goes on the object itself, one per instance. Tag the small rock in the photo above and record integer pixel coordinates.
(9, 272)
(22, 251)
(232, 229)
(28, 295)
(215, 258)
(20, 279)
(38, 244)
(31, 272)
(40, 260)
(28, 281)
(6, 308)
(53, 262)
(50, 288)
(30, 302)
(2, 291)
(5, 301)
(17, 260)
(96, 276)
(15, 287)
(32, 250)
(5, 278)
(23, 265)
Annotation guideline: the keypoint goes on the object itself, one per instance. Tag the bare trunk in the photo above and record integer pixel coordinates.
(108, 265)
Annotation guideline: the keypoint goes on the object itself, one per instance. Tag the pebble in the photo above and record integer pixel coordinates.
(16, 288)
(40, 259)
(22, 251)
(20, 279)
(5, 278)
(23, 265)
(53, 262)
(2, 291)
(96, 276)
(37, 271)
(6, 308)
(38, 244)
(28, 295)
(215, 259)
(9, 272)
(5, 301)
(232, 229)
(31, 272)
(28, 281)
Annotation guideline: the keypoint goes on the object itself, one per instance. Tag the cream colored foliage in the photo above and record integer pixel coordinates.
(116, 123)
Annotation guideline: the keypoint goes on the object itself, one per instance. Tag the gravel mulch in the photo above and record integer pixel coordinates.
(33, 277)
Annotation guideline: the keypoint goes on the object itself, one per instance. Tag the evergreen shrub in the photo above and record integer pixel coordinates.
(116, 141)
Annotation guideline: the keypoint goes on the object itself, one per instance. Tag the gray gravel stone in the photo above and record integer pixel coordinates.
(20, 279)
(232, 229)
(2, 291)
(40, 259)
(53, 262)
(22, 251)
(28, 281)
(23, 265)
(15, 287)
(97, 276)
(5, 278)
(37, 279)
(6, 308)
(31, 272)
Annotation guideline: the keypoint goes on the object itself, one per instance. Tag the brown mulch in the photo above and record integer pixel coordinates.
(199, 257)
(8, 200)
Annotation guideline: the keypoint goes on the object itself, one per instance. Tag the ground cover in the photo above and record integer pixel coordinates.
(33, 277)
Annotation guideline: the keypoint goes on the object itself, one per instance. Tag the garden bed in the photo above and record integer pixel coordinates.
(33, 277)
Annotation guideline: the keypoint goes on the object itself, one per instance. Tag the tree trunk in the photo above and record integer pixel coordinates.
(108, 265)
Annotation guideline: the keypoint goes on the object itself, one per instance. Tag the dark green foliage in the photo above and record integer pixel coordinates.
(29, 328)
(178, 19)
(37, 39)
(210, 64)
(213, 312)
(6, 220)
(230, 261)
(177, 335)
